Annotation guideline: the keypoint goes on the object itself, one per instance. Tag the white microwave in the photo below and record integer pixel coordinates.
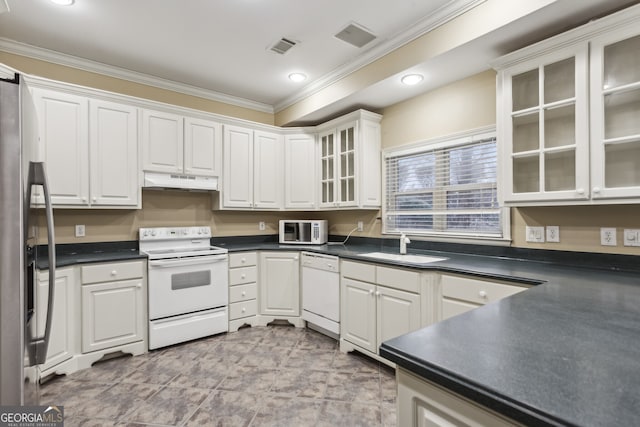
(304, 232)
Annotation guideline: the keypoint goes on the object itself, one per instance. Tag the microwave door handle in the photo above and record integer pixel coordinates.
(187, 261)
(38, 346)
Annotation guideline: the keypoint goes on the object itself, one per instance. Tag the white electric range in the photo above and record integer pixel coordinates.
(188, 284)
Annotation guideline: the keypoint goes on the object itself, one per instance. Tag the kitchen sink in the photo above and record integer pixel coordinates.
(411, 258)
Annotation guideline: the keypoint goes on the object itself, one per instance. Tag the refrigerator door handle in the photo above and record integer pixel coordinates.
(37, 346)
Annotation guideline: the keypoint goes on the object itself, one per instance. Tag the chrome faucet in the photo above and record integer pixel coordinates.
(403, 244)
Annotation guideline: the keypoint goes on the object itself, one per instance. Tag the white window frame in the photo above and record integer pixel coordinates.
(449, 141)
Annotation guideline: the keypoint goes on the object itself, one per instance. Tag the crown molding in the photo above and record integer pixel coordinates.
(439, 17)
(34, 52)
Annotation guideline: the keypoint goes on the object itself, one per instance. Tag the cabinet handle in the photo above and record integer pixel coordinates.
(482, 294)
(114, 272)
(596, 189)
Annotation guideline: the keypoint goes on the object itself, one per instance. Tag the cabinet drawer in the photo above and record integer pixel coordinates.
(243, 259)
(238, 310)
(476, 291)
(405, 280)
(243, 292)
(239, 276)
(358, 271)
(110, 272)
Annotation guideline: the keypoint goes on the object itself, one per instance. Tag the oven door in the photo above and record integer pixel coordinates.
(185, 285)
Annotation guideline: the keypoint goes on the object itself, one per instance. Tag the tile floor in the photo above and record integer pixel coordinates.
(261, 376)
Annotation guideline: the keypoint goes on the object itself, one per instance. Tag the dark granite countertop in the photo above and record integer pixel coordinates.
(566, 352)
(71, 254)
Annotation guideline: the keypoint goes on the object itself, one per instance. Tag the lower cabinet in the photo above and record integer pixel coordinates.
(243, 289)
(459, 294)
(371, 310)
(113, 305)
(65, 327)
(421, 403)
(279, 284)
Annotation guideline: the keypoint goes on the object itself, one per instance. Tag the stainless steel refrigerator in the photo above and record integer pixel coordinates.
(21, 350)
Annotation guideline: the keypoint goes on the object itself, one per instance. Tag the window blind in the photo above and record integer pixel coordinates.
(448, 188)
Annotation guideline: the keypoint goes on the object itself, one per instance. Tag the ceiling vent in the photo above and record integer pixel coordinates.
(282, 46)
(355, 35)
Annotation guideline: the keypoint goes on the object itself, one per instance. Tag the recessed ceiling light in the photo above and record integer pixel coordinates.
(411, 79)
(297, 77)
(63, 2)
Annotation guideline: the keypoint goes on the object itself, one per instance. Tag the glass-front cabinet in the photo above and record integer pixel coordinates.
(545, 136)
(569, 116)
(615, 114)
(337, 163)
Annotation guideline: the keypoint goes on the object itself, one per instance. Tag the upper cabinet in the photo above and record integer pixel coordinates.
(349, 161)
(567, 116)
(300, 171)
(174, 143)
(253, 169)
(89, 147)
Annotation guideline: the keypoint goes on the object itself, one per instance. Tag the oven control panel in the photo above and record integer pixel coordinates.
(170, 233)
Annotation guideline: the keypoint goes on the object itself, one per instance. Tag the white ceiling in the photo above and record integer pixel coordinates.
(219, 48)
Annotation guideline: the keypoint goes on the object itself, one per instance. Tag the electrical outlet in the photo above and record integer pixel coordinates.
(535, 234)
(80, 230)
(608, 237)
(360, 225)
(631, 237)
(262, 226)
(553, 233)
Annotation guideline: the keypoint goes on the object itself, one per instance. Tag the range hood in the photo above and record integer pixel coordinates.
(180, 181)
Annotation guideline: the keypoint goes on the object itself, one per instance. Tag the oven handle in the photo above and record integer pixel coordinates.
(165, 263)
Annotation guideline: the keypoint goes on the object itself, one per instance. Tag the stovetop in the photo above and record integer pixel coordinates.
(177, 242)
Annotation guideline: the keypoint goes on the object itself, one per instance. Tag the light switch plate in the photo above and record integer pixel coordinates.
(360, 225)
(535, 234)
(608, 237)
(631, 237)
(262, 226)
(80, 230)
(553, 233)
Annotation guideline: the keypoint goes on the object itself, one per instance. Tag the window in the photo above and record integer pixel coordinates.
(446, 187)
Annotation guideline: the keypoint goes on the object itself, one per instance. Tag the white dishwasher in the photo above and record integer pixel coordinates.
(321, 293)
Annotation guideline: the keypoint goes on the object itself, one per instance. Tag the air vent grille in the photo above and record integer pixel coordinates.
(355, 35)
(282, 46)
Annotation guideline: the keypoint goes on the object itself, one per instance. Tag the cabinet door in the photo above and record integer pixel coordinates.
(300, 171)
(398, 313)
(369, 166)
(112, 314)
(162, 142)
(63, 322)
(63, 122)
(615, 109)
(113, 143)
(358, 314)
(237, 185)
(328, 190)
(346, 160)
(268, 166)
(543, 122)
(202, 147)
(279, 284)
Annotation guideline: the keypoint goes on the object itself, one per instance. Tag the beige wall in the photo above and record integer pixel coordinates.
(84, 78)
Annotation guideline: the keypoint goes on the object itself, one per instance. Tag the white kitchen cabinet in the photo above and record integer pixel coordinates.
(174, 143)
(378, 303)
(113, 150)
(458, 294)
(113, 305)
(422, 403)
(63, 121)
(300, 171)
(349, 160)
(90, 148)
(65, 328)
(243, 289)
(279, 285)
(567, 116)
(253, 169)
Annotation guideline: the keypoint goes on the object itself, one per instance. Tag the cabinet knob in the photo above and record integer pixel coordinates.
(596, 189)
(94, 199)
(244, 294)
(295, 259)
(482, 294)
(244, 309)
(243, 260)
(84, 199)
(371, 292)
(580, 191)
(139, 286)
(114, 272)
(378, 294)
(243, 276)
